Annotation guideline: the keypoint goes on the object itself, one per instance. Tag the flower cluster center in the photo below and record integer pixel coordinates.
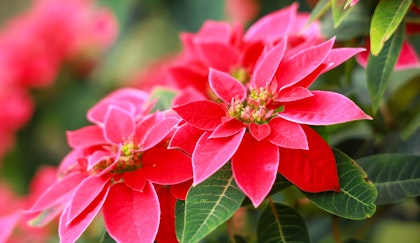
(129, 160)
(255, 108)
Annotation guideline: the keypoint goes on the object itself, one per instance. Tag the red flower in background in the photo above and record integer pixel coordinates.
(261, 125)
(119, 165)
(227, 48)
(35, 44)
(14, 226)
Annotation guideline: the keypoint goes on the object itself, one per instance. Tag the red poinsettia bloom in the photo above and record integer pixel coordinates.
(117, 165)
(262, 126)
(229, 49)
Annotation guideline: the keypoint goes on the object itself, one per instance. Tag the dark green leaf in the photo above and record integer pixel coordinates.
(380, 67)
(180, 218)
(357, 197)
(386, 19)
(280, 223)
(238, 239)
(321, 7)
(208, 205)
(396, 176)
(106, 238)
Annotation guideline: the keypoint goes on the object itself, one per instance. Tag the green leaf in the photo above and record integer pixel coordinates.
(208, 205)
(180, 218)
(339, 11)
(353, 25)
(320, 9)
(163, 97)
(106, 238)
(380, 67)
(280, 223)
(357, 197)
(396, 176)
(385, 20)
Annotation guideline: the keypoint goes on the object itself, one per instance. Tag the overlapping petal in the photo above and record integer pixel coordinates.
(312, 170)
(323, 108)
(86, 137)
(211, 154)
(204, 114)
(272, 26)
(267, 66)
(119, 125)
(302, 64)
(287, 134)
(131, 215)
(69, 233)
(166, 166)
(225, 86)
(254, 167)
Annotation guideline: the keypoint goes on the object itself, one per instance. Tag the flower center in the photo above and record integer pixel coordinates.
(240, 74)
(129, 160)
(256, 108)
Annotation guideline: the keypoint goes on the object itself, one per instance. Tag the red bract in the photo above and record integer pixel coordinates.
(227, 48)
(262, 125)
(116, 165)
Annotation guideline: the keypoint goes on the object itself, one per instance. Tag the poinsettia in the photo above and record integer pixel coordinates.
(228, 48)
(262, 126)
(118, 165)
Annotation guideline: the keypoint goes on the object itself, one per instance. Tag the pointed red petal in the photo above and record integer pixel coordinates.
(166, 233)
(339, 55)
(204, 114)
(312, 170)
(84, 194)
(119, 125)
(159, 131)
(136, 180)
(273, 26)
(130, 99)
(132, 216)
(185, 138)
(180, 190)
(225, 86)
(323, 108)
(302, 64)
(287, 134)
(144, 126)
(408, 57)
(71, 232)
(309, 79)
(160, 164)
(227, 129)
(217, 55)
(56, 192)
(211, 154)
(254, 167)
(259, 131)
(85, 137)
(267, 66)
(293, 93)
